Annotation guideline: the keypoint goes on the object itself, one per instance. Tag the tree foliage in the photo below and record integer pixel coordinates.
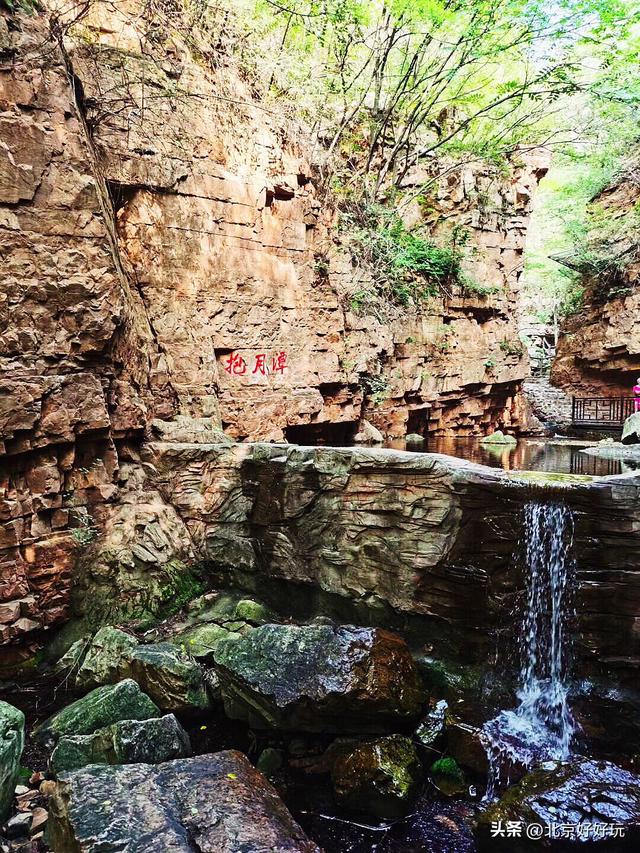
(389, 84)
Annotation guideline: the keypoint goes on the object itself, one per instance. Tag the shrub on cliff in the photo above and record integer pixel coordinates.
(28, 6)
(405, 266)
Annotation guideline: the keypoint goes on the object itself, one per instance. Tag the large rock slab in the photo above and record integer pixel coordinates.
(102, 707)
(214, 803)
(583, 794)
(319, 678)
(11, 746)
(126, 742)
(102, 663)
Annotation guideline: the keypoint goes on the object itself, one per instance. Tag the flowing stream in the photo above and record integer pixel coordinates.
(541, 727)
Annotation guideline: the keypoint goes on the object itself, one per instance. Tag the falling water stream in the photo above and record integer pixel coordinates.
(541, 727)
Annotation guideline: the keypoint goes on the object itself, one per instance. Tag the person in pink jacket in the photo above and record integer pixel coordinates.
(636, 391)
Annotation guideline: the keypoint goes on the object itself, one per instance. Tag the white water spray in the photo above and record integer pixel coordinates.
(541, 727)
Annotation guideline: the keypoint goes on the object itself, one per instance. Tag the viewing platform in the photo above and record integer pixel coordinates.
(601, 412)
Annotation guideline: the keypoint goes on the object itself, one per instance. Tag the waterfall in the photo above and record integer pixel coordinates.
(541, 727)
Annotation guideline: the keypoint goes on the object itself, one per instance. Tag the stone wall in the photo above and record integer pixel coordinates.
(160, 243)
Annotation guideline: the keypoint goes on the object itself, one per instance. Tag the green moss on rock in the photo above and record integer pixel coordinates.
(125, 742)
(447, 776)
(102, 707)
(248, 610)
(378, 777)
(11, 746)
(499, 437)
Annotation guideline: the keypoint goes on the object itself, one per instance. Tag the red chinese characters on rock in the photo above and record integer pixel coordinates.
(260, 365)
(279, 362)
(235, 364)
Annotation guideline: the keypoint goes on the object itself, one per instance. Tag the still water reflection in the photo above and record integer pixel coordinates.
(530, 454)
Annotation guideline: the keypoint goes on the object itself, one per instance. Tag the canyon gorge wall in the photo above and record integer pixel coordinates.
(599, 346)
(167, 252)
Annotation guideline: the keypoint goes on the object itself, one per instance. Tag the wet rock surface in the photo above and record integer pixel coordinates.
(433, 825)
(319, 678)
(379, 777)
(213, 803)
(583, 793)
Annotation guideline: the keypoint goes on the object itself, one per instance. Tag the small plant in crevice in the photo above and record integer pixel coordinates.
(470, 287)
(86, 532)
(510, 347)
(442, 340)
(321, 266)
(404, 266)
(375, 388)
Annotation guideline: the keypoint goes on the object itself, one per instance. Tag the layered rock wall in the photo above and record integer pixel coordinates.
(599, 346)
(164, 254)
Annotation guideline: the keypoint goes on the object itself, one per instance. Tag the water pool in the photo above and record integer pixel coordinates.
(557, 456)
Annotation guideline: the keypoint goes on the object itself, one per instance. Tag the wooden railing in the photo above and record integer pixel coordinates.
(601, 412)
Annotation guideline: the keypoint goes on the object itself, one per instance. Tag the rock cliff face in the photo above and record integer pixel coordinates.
(164, 253)
(599, 346)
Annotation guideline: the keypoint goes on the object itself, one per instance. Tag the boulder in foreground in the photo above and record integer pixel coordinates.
(584, 794)
(102, 707)
(11, 745)
(214, 803)
(126, 742)
(319, 678)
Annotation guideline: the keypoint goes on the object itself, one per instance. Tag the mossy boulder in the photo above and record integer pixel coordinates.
(319, 678)
(447, 776)
(103, 661)
(102, 707)
(248, 610)
(451, 681)
(201, 641)
(165, 672)
(125, 742)
(414, 438)
(499, 437)
(379, 777)
(11, 746)
(174, 681)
